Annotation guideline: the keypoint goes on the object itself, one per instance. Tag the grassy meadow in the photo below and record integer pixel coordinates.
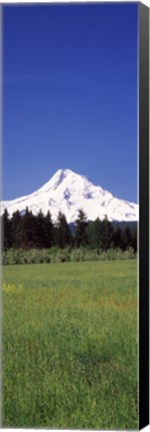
(70, 345)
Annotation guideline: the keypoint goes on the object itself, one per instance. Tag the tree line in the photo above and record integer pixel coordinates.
(28, 231)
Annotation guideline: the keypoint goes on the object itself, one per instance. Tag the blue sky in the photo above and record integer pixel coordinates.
(70, 95)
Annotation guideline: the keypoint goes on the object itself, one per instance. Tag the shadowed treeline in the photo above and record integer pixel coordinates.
(30, 231)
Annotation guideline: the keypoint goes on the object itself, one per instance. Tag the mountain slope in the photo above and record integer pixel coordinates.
(68, 192)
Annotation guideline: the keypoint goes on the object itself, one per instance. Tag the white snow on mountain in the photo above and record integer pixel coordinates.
(68, 192)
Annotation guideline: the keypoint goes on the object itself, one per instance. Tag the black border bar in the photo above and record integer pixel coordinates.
(143, 216)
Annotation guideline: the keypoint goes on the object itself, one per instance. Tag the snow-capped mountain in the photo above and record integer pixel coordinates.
(68, 192)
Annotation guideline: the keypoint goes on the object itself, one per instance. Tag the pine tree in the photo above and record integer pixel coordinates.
(117, 237)
(28, 230)
(81, 225)
(90, 234)
(93, 232)
(98, 233)
(63, 234)
(106, 234)
(127, 239)
(49, 231)
(6, 230)
(40, 233)
(16, 229)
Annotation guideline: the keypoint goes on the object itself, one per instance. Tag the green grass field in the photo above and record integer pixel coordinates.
(70, 345)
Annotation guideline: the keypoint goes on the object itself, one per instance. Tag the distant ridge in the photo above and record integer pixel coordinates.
(68, 192)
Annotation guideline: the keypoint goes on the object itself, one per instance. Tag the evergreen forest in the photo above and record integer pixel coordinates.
(28, 231)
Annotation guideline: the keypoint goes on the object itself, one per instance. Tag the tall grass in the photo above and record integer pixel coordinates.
(57, 255)
(70, 345)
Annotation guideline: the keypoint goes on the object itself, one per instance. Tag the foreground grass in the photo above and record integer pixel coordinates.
(70, 345)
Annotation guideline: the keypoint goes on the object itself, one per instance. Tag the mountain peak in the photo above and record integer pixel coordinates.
(59, 176)
(63, 172)
(68, 192)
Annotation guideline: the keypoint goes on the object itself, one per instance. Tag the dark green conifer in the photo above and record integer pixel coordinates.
(16, 229)
(6, 230)
(81, 225)
(63, 234)
(106, 234)
(28, 230)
